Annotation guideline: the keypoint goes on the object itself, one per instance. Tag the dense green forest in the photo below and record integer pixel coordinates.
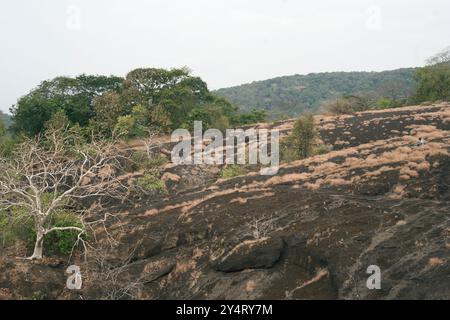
(146, 99)
(293, 95)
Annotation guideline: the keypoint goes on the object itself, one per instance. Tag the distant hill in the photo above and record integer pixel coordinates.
(293, 95)
(5, 118)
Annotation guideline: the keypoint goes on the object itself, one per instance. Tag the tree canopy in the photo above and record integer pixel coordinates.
(74, 96)
(434, 79)
(146, 97)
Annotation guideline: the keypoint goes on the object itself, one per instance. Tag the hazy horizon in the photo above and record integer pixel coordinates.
(227, 43)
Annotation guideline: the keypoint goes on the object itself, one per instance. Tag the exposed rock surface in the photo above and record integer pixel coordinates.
(378, 198)
(252, 254)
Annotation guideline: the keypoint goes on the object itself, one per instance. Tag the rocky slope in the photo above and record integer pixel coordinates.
(378, 198)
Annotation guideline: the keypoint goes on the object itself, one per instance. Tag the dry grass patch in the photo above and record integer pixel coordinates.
(406, 171)
(398, 193)
(287, 178)
(435, 262)
(250, 286)
(185, 266)
(337, 181)
(243, 200)
(328, 126)
(428, 132)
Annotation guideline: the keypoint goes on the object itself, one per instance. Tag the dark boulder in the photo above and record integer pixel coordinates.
(255, 254)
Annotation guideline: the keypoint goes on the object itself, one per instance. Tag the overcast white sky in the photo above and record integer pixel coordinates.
(226, 42)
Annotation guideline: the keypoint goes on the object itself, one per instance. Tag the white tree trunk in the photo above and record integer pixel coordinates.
(38, 246)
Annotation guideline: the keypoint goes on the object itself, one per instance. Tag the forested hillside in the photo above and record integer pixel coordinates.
(293, 95)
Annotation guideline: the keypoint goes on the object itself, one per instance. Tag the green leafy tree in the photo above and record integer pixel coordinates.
(301, 140)
(434, 79)
(108, 108)
(211, 115)
(348, 104)
(145, 85)
(174, 98)
(146, 98)
(254, 116)
(159, 117)
(74, 96)
(125, 126)
(386, 103)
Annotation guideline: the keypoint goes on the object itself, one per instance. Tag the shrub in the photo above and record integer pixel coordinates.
(302, 142)
(125, 125)
(212, 116)
(17, 226)
(139, 157)
(7, 146)
(140, 160)
(254, 116)
(386, 103)
(321, 149)
(231, 171)
(433, 82)
(150, 183)
(62, 242)
(38, 295)
(303, 136)
(156, 161)
(287, 152)
(347, 105)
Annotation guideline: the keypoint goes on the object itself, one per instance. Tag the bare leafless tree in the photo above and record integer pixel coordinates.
(150, 143)
(260, 227)
(112, 281)
(49, 171)
(440, 58)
